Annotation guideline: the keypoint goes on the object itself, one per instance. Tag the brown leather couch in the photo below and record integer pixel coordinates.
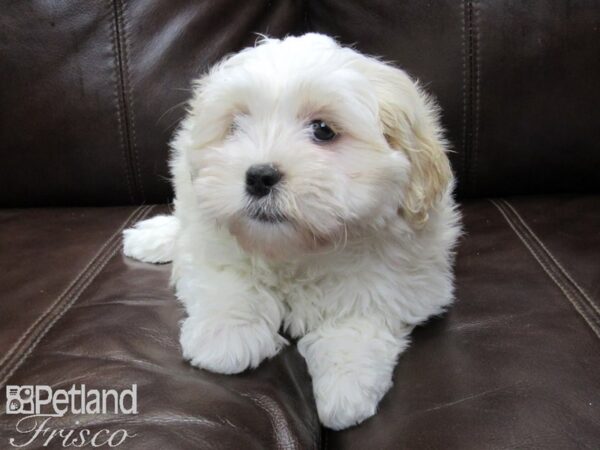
(90, 93)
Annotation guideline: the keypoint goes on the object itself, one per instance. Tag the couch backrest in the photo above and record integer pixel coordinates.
(92, 90)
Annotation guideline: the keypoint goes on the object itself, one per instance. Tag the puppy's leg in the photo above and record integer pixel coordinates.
(351, 362)
(231, 325)
(152, 240)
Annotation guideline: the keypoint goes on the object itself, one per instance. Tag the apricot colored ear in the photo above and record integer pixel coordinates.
(410, 123)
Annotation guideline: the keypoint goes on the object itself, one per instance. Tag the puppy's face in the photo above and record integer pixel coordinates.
(293, 146)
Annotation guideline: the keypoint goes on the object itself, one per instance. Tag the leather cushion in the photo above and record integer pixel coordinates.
(121, 328)
(517, 82)
(514, 363)
(92, 91)
(48, 257)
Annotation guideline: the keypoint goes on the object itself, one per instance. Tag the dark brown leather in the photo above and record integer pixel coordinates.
(92, 91)
(514, 364)
(517, 82)
(121, 327)
(45, 260)
(563, 225)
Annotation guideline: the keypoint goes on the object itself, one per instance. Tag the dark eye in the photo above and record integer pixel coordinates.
(321, 131)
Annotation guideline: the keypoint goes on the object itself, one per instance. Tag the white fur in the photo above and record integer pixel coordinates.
(152, 240)
(365, 253)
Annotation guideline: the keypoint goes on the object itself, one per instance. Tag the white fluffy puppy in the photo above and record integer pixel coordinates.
(313, 194)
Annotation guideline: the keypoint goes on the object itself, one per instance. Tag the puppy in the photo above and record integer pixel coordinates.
(313, 195)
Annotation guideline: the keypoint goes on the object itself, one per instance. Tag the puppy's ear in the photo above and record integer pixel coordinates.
(410, 123)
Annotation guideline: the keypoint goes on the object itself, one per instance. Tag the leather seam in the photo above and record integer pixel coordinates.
(65, 291)
(117, 102)
(554, 259)
(120, 55)
(475, 94)
(564, 284)
(569, 294)
(128, 92)
(258, 401)
(552, 271)
(471, 92)
(464, 91)
(36, 332)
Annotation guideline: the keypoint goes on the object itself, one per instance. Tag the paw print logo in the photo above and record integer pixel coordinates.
(19, 399)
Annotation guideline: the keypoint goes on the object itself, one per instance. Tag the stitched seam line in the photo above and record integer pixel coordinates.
(64, 292)
(44, 323)
(262, 402)
(127, 89)
(465, 112)
(548, 261)
(551, 271)
(63, 304)
(548, 268)
(568, 289)
(475, 81)
(574, 283)
(118, 107)
(57, 313)
(470, 89)
(122, 99)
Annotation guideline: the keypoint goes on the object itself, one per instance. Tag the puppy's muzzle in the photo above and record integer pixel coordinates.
(261, 179)
(261, 182)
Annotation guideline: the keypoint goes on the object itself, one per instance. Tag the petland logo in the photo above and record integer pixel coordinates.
(41, 404)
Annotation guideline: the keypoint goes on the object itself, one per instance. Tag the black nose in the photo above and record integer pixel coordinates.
(260, 179)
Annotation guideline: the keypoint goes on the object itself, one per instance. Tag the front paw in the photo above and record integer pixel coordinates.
(346, 398)
(228, 347)
(351, 363)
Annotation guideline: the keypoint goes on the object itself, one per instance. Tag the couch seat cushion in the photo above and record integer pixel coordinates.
(514, 364)
(119, 326)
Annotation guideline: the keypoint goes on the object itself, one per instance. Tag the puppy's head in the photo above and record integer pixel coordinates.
(297, 143)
